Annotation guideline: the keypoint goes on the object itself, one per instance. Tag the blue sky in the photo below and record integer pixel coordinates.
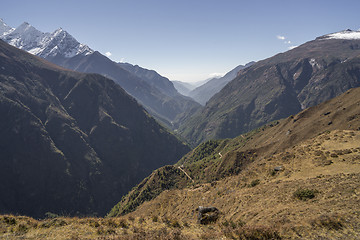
(188, 40)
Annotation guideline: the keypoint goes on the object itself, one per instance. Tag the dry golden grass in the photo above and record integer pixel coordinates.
(271, 203)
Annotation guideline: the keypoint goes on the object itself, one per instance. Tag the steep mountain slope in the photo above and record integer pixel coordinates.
(296, 177)
(203, 93)
(152, 78)
(153, 91)
(177, 106)
(279, 86)
(71, 143)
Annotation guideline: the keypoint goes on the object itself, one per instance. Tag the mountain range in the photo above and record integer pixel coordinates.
(203, 93)
(279, 86)
(278, 154)
(71, 143)
(156, 93)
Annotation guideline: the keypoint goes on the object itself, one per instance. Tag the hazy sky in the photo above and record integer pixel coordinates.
(187, 40)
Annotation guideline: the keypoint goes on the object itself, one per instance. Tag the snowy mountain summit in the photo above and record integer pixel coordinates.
(347, 34)
(46, 45)
(4, 28)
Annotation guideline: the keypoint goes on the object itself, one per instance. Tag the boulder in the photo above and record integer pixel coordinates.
(207, 215)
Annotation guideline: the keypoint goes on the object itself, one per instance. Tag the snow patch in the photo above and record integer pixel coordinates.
(347, 35)
(313, 63)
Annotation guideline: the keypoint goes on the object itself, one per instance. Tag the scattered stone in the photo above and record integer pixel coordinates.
(278, 168)
(207, 214)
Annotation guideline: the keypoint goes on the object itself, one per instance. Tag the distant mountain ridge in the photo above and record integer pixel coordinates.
(157, 94)
(186, 87)
(203, 93)
(280, 86)
(71, 143)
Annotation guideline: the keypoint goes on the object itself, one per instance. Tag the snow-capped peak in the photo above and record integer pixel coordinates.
(347, 34)
(24, 37)
(45, 45)
(4, 28)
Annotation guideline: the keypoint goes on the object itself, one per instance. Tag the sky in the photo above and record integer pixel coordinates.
(187, 40)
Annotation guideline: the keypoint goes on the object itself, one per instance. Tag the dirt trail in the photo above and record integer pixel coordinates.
(185, 173)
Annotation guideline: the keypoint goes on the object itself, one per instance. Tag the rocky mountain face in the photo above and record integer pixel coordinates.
(71, 143)
(156, 93)
(280, 86)
(203, 93)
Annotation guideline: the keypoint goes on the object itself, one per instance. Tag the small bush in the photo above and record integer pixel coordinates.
(123, 224)
(255, 232)
(186, 224)
(331, 222)
(111, 223)
(175, 224)
(94, 223)
(232, 224)
(21, 229)
(9, 220)
(304, 193)
(141, 220)
(51, 215)
(53, 223)
(255, 182)
(155, 218)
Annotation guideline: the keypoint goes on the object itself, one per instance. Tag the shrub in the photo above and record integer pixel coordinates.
(141, 220)
(254, 183)
(21, 229)
(331, 222)
(304, 193)
(51, 215)
(94, 223)
(155, 218)
(175, 224)
(9, 220)
(123, 223)
(252, 232)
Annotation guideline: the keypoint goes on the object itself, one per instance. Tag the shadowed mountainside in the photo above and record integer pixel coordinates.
(71, 143)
